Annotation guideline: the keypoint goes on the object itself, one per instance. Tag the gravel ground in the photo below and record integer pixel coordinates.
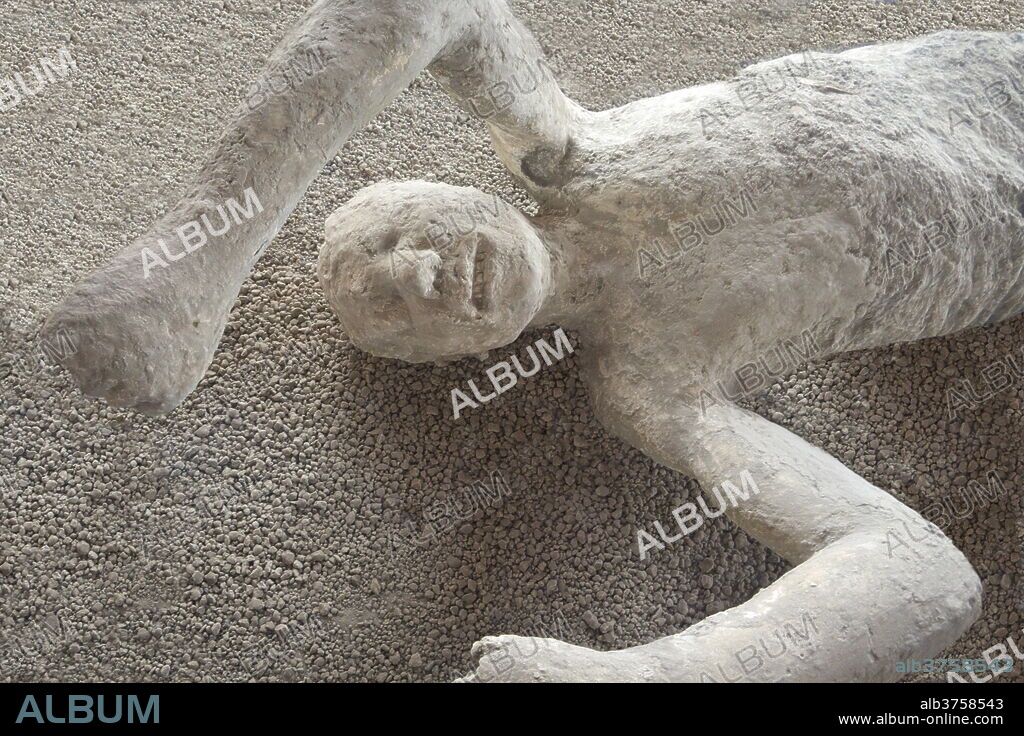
(273, 527)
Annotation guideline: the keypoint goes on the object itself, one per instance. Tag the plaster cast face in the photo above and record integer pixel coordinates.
(427, 272)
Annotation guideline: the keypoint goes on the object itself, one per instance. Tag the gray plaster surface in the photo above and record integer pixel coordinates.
(258, 522)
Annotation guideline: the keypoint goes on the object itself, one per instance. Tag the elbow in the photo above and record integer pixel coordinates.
(926, 579)
(960, 591)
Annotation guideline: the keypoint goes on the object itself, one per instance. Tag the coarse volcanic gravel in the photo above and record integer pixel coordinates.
(257, 531)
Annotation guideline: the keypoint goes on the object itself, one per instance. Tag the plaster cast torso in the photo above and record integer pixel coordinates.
(861, 224)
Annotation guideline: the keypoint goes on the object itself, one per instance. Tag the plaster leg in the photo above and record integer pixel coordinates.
(145, 342)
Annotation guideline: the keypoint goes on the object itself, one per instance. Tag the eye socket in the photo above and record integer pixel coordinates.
(388, 243)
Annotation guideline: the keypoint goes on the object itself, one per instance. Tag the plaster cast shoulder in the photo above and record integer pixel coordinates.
(631, 400)
(843, 183)
(818, 127)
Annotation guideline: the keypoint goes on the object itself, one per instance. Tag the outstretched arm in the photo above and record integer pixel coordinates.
(874, 584)
(145, 326)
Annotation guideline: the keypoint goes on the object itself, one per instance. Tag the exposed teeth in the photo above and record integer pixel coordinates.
(479, 263)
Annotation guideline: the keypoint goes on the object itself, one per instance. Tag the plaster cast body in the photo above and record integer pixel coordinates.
(837, 160)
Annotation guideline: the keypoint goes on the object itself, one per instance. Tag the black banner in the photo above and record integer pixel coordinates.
(143, 706)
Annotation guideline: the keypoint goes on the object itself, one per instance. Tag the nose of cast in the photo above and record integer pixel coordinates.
(415, 271)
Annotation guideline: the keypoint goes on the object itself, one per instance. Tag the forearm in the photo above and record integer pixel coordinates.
(848, 614)
(333, 73)
(336, 69)
(364, 53)
(147, 323)
(875, 582)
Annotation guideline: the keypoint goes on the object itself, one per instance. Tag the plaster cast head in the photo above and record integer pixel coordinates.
(431, 272)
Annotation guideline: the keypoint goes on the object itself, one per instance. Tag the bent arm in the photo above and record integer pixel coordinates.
(146, 325)
(370, 51)
(498, 73)
(343, 63)
(874, 584)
